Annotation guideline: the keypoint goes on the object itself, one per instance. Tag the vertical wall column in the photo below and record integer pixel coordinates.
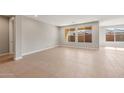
(11, 35)
(18, 35)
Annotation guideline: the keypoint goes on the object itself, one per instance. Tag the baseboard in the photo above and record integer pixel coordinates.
(18, 58)
(67, 46)
(78, 47)
(3, 54)
(24, 54)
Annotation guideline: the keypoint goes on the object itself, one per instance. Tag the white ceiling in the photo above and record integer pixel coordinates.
(63, 20)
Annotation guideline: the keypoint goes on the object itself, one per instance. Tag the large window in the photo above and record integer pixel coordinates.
(115, 35)
(83, 34)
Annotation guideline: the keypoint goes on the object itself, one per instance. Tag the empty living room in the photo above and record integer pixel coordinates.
(62, 46)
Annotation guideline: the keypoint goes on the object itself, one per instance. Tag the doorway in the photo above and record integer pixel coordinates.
(7, 41)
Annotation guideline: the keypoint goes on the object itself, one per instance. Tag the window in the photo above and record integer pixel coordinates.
(115, 35)
(119, 36)
(88, 36)
(85, 34)
(66, 34)
(81, 36)
(110, 36)
(70, 34)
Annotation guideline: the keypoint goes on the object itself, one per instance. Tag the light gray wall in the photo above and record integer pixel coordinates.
(4, 34)
(95, 37)
(37, 35)
(18, 37)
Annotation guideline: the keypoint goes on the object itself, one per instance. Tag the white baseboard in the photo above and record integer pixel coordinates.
(18, 58)
(78, 47)
(67, 46)
(24, 54)
(28, 53)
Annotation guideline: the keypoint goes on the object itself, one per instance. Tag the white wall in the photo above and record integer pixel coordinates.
(37, 35)
(4, 34)
(112, 22)
(95, 37)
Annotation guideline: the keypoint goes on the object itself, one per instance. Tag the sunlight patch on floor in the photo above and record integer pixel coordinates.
(115, 48)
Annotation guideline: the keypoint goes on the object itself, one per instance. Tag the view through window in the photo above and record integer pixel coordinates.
(115, 35)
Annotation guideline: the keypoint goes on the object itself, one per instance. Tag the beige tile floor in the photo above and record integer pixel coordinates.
(66, 62)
